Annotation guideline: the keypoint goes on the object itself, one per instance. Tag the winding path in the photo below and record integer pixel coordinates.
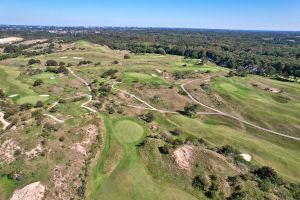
(233, 117)
(3, 121)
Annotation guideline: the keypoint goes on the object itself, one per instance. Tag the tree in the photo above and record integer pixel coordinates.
(62, 69)
(161, 51)
(115, 62)
(38, 82)
(201, 182)
(190, 109)
(164, 149)
(51, 63)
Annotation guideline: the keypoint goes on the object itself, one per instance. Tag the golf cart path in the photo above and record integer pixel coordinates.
(3, 121)
(54, 118)
(89, 89)
(233, 117)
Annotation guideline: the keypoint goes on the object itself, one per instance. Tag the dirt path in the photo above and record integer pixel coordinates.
(233, 117)
(3, 121)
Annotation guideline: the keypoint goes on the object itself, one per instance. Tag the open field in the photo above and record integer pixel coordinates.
(116, 152)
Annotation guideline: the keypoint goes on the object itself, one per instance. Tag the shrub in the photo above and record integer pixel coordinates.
(38, 82)
(228, 150)
(51, 63)
(25, 106)
(177, 131)
(84, 62)
(115, 62)
(126, 56)
(33, 61)
(148, 117)
(62, 63)
(201, 182)
(190, 109)
(267, 174)
(39, 104)
(108, 73)
(164, 149)
(2, 94)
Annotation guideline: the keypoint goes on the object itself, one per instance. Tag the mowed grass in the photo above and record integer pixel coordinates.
(127, 131)
(11, 84)
(276, 111)
(131, 77)
(130, 179)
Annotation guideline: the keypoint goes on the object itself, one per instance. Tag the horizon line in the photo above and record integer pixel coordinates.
(152, 27)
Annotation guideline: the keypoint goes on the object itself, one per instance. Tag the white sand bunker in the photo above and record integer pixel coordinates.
(33, 191)
(78, 58)
(52, 78)
(63, 57)
(154, 75)
(246, 157)
(183, 158)
(13, 95)
(44, 95)
(159, 71)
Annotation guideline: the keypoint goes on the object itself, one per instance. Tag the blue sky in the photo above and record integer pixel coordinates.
(223, 14)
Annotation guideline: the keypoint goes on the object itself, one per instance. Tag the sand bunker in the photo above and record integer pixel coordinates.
(183, 158)
(44, 95)
(78, 58)
(33, 191)
(13, 95)
(154, 75)
(10, 40)
(246, 157)
(63, 57)
(52, 77)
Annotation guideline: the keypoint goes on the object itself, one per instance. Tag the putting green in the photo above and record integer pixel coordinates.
(127, 131)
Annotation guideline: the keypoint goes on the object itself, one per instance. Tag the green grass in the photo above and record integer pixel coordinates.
(130, 179)
(127, 131)
(9, 81)
(7, 187)
(130, 77)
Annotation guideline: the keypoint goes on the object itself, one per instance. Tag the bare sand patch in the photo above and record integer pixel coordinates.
(10, 40)
(183, 157)
(7, 151)
(246, 157)
(64, 57)
(27, 42)
(33, 191)
(34, 152)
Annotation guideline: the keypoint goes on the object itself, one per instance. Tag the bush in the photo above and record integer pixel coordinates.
(2, 94)
(267, 174)
(84, 62)
(62, 64)
(115, 62)
(108, 73)
(39, 104)
(228, 150)
(51, 63)
(177, 131)
(126, 56)
(33, 61)
(25, 106)
(201, 182)
(164, 149)
(190, 109)
(38, 82)
(148, 117)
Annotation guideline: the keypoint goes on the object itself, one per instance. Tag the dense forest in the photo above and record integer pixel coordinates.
(258, 52)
